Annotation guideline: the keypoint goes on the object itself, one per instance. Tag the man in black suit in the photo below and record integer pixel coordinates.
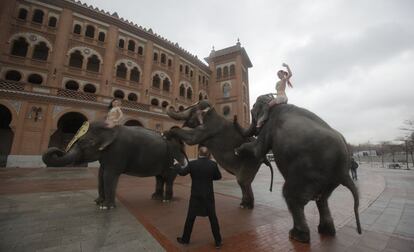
(203, 171)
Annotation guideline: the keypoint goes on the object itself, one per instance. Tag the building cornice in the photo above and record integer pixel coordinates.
(114, 19)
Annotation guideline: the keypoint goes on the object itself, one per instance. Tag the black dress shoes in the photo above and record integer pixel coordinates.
(181, 241)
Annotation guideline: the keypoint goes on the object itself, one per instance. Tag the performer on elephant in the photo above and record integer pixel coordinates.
(203, 171)
(281, 97)
(115, 114)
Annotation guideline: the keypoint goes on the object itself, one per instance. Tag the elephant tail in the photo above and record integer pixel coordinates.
(267, 162)
(348, 183)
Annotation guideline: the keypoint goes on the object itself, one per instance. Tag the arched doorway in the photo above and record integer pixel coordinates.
(6, 134)
(67, 127)
(133, 123)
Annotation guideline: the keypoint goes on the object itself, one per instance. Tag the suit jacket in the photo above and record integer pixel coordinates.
(202, 171)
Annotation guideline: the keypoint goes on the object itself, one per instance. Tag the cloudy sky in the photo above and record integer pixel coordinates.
(352, 61)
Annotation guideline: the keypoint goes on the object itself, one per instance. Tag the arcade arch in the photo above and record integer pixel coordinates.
(133, 122)
(6, 134)
(67, 126)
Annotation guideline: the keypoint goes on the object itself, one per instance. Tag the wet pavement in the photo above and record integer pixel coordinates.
(52, 209)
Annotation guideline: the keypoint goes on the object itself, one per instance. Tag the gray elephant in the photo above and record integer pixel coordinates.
(133, 151)
(312, 157)
(219, 135)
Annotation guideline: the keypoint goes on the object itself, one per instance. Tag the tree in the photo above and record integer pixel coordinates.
(408, 139)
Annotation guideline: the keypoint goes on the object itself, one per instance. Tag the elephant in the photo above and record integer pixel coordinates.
(135, 151)
(219, 135)
(312, 157)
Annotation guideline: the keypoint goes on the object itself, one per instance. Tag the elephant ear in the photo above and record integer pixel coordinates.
(107, 136)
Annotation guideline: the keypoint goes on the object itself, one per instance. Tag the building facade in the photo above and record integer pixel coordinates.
(62, 62)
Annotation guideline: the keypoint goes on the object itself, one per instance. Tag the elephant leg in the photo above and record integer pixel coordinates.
(169, 183)
(245, 197)
(296, 205)
(168, 190)
(159, 188)
(326, 224)
(111, 181)
(245, 179)
(101, 196)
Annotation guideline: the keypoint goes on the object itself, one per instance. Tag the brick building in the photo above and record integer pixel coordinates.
(62, 62)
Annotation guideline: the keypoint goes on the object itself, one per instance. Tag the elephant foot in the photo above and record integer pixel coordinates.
(300, 236)
(246, 149)
(157, 196)
(245, 205)
(327, 229)
(107, 206)
(99, 201)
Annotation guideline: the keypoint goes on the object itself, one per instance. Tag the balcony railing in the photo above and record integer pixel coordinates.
(59, 93)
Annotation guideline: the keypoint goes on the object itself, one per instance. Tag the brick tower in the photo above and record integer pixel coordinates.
(229, 90)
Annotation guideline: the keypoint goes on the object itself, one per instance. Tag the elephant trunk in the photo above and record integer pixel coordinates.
(183, 115)
(55, 157)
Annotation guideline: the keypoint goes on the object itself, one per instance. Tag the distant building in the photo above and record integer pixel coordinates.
(62, 62)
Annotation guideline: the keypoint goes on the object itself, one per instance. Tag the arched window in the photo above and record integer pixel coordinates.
(155, 57)
(41, 51)
(140, 50)
(76, 59)
(182, 91)
(226, 90)
(218, 73)
(22, 14)
(89, 88)
(163, 58)
(181, 68)
(225, 71)
(121, 43)
(13, 75)
(38, 16)
(72, 85)
(232, 70)
(121, 71)
(132, 97)
(101, 36)
(119, 94)
(191, 73)
(156, 81)
(187, 70)
(200, 97)
(35, 79)
(134, 75)
(77, 29)
(226, 110)
(155, 102)
(20, 47)
(180, 108)
(93, 63)
(164, 104)
(189, 93)
(166, 85)
(52, 22)
(131, 45)
(169, 62)
(90, 31)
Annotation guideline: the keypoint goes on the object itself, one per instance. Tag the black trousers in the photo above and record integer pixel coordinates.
(189, 222)
(354, 174)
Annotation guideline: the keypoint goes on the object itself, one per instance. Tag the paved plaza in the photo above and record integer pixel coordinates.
(52, 209)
